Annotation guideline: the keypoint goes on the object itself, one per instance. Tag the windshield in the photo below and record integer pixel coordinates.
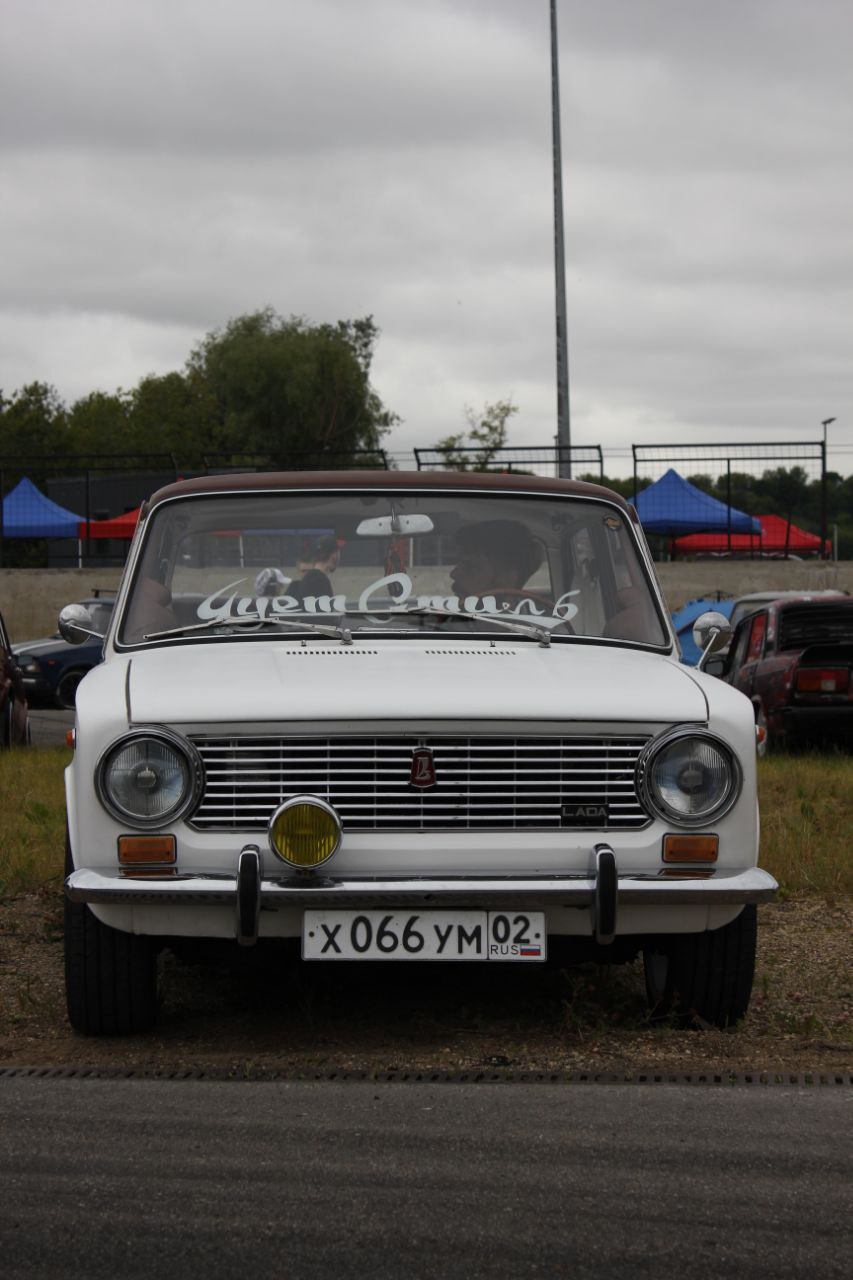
(433, 562)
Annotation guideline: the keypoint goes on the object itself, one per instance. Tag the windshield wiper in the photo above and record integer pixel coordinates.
(540, 633)
(337, 633)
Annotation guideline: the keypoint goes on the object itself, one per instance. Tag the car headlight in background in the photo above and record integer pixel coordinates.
(149, 779)
(689, 778)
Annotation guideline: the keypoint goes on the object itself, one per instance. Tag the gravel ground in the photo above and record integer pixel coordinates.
(263, 1009)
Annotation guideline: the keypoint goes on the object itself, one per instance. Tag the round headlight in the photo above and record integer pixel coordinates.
(148, 780)
(690, 778)
(305, 832)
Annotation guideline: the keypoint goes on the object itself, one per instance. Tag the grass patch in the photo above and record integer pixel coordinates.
(32, 818)
(806, 803)
(806, 819)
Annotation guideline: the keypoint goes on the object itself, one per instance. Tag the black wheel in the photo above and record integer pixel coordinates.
(110, 975)
(8, 726)
(66, 690)
(703, 978)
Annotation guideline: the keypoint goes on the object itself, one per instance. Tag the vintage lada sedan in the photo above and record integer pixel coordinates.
(425, 717)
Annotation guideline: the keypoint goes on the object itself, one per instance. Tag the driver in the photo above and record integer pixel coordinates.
(496, 558)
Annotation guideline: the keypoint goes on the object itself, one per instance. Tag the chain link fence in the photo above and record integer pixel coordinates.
(543, 460)
(785, 480)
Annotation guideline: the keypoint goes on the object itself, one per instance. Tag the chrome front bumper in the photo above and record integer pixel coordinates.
(602, 891)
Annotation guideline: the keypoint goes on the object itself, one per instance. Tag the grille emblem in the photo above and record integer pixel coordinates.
(422, 775)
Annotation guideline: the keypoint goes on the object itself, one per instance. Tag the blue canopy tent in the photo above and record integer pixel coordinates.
(673, 506)
(28, 513)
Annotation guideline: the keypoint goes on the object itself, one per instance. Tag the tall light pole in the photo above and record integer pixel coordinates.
(564, 442)
(823, 492)
(826, 423)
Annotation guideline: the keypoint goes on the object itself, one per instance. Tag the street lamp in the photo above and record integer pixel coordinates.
(823, 491)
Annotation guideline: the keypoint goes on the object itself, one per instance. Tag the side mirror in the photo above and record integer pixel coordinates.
(75, 624)
(711, 631)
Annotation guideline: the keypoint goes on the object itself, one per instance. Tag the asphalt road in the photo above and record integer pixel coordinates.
(106, 1178)
(48, 727)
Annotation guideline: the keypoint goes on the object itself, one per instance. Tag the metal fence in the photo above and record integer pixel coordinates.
(51, 503)
(540, 460)
(734, 470)
(355, 459)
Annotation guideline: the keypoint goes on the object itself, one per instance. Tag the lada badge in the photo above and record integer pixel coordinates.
(422, 775)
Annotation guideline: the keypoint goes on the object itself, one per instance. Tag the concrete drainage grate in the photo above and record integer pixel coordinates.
(261, 1075)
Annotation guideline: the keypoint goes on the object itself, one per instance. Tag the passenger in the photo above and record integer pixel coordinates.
(323, 560)
(271, 582)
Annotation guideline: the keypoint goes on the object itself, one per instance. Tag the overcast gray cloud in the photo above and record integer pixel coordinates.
(169, 165)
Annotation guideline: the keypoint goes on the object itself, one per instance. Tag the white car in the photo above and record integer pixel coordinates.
(467, 737)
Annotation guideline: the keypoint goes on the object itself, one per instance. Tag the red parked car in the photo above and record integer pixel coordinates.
(793, 659)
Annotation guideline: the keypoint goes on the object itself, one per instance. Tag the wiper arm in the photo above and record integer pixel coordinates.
(540, 633)
(337, 633)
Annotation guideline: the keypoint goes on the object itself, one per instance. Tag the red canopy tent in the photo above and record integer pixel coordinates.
(777, 536)
(117, 527)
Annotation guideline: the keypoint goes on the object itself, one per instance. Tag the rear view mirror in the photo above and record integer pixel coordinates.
(75, 624)
(394, 526)
(711, 631)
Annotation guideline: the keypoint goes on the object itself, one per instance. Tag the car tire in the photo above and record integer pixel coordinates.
(8, 735)
(703, 979)
(66, 690)
(110, 975)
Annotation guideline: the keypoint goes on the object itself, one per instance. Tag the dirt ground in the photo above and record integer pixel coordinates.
(261, 1010)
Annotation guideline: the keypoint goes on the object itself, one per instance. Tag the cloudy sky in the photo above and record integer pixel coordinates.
(168, 164)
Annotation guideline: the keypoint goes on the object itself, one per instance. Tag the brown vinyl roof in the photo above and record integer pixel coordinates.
(242, 481)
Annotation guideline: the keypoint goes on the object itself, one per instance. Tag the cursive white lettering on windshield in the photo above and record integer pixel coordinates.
(397, 606)
(325, 604)
(209, 609)
(225, 603)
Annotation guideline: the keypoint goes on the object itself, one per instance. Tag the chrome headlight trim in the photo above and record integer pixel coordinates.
(655, 804)
(191, 797)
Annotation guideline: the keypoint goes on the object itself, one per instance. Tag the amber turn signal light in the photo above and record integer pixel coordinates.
(134, 851)
(690, 848)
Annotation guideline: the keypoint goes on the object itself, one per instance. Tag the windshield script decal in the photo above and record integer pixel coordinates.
(226, 602)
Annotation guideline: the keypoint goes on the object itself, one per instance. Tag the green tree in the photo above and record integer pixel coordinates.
(487, 433)
(33, 422)
(286, 389)
(97, 424)
(173, 414)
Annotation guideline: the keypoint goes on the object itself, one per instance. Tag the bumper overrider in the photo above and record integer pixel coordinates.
(602, 890)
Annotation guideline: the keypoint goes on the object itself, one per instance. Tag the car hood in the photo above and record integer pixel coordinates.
(39, 646)
(409, 680)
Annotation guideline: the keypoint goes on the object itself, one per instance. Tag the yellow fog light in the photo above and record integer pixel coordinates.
(305, 832)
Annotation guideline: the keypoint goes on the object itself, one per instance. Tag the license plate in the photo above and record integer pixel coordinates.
(423, 935)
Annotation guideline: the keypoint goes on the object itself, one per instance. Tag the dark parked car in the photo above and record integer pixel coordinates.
(52, 668)
(14, 718)
(792, 658)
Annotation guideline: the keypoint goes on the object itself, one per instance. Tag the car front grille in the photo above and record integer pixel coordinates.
(482, 783)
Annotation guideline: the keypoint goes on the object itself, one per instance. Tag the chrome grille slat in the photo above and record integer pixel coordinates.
(484, 782)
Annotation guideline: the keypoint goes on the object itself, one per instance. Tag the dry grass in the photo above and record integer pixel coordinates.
(32, 818)
(806, 822)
